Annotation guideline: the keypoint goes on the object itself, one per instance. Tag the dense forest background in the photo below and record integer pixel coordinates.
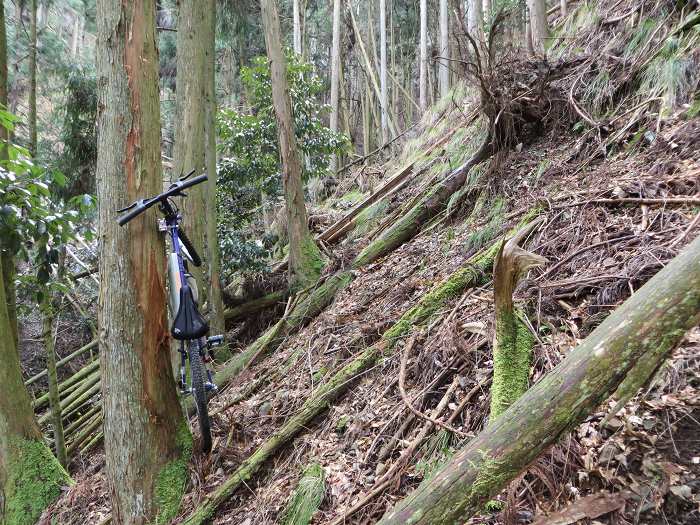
(452, 246)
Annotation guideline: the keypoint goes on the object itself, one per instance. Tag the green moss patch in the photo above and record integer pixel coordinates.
(34, 481)
(172, 478)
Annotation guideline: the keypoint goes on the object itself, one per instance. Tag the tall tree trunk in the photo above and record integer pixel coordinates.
(190, 132)
(564, 8)
(75, 35)
(382, 69)
(296, 29)
(335, 75)
(30, 476)
(538, 24)
(147, 441)
(7, 264)
(487, 12)
(444, 64)
(423, 66)
(652, 321)
(305, 260)
(32, 80)
(475, 20)
(54, 399)
(216, 303)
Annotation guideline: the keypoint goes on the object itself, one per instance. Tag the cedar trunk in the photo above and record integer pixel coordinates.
(147, 442)
(190, 135)
(655, 317)
(335, 76)
(305, 261)
(538, 25)
(443, 64)
(423, 53)
(32, 80)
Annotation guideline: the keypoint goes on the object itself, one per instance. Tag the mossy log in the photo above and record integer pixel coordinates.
(309, 307)
(307, 497)
(69, 385)
(255, 305)
(651, 322)
(87, 389)
(473, 273)
(434, 201)
(512, 347)
(85, 433)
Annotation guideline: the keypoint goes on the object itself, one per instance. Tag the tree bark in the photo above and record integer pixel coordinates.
(190, 151)
(564, 8)
(538, 25)
(653, 320)
(383, 101)
(30, 476)
(423, 52)
(296, 29)
(7, 264)
(32, 80)
(147, 441)
(305, 260)
(216, 302)
(475, 20)
(487, 12)
(444, 64)
(335, 77)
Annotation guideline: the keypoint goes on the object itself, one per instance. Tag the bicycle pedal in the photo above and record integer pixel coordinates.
(215, 340)
(211, 387)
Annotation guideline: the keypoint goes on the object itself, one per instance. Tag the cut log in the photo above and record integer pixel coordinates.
(652, 321)
(473, 273)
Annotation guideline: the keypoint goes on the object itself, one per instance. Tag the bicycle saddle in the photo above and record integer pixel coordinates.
(188, 323)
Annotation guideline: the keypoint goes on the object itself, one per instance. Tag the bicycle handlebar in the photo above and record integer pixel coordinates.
(175, 189)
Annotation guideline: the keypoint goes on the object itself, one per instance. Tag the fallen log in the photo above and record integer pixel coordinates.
(87, 389)
(474, 273)
(407, 226)
(651, 322)
(255, 305)
(69, 385)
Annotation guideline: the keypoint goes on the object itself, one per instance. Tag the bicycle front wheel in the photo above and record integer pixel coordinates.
(200, 394)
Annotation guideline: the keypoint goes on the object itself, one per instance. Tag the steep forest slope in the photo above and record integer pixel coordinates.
(352, 409)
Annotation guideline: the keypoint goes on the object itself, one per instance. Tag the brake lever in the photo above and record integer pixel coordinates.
(185, 177)
(132, 205)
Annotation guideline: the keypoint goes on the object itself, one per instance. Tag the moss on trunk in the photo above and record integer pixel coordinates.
(307, 497)
(172, 479)
(34, 481)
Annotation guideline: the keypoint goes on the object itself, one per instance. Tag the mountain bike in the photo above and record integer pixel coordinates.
(188, 325)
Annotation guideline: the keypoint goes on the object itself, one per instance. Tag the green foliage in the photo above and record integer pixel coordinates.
(249, 171)
(33, 223)
(79, 135)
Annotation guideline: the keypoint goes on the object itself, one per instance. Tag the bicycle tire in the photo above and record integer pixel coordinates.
(200, 395)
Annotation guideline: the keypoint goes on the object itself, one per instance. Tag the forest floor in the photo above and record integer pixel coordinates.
(612, 221)
(599, 253)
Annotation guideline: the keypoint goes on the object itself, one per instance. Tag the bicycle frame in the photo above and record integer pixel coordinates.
(179, 278)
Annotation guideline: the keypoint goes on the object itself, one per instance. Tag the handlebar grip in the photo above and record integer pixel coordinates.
(196, 259)
(138, 209)
(192, 182)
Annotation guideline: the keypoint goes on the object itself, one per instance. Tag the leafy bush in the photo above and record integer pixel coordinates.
(249, 173)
